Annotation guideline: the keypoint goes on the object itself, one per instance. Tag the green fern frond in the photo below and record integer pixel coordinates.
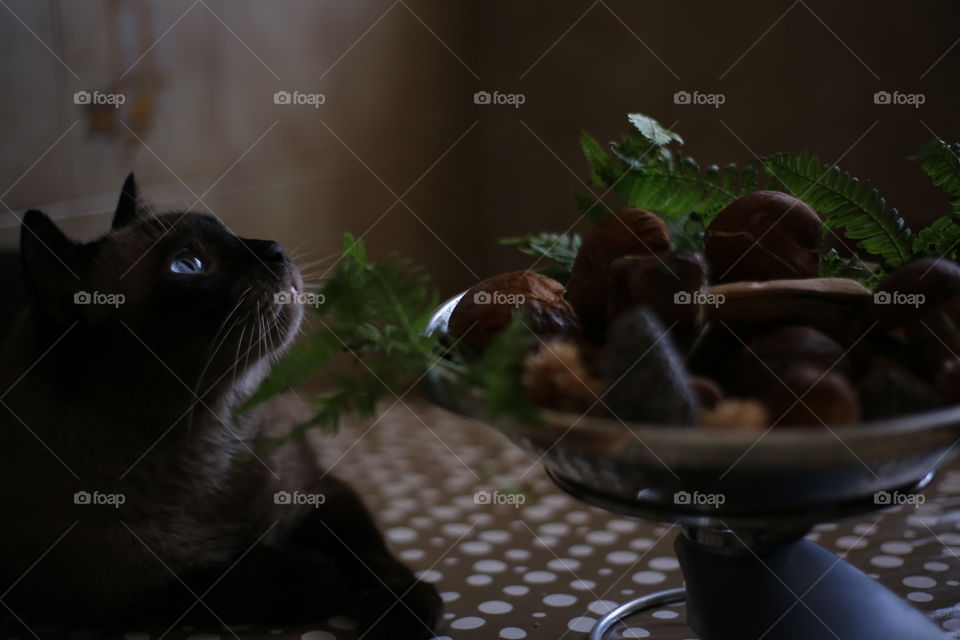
(559, 248)
(846, 203)
(940, 239)
(941, 161)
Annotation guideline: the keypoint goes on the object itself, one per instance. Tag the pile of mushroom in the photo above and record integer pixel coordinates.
(745, 336)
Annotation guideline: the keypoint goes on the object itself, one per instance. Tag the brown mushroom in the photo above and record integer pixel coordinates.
(627, 232)
(669, 284)
(766, 235)
(488, 307)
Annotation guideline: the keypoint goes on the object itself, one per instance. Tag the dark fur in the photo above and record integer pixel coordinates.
(198, 500)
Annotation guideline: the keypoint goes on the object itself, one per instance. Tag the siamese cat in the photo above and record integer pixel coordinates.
(133, 491)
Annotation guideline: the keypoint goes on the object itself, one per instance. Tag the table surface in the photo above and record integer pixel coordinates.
(541, 565)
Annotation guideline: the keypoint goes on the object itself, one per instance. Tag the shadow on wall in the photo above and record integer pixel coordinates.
(436, 128)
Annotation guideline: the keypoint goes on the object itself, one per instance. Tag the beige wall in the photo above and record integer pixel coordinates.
(402, 95)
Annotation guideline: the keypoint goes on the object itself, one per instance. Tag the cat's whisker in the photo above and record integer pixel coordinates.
(241, 298)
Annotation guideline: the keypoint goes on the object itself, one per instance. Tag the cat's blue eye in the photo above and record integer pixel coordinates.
(186, 263)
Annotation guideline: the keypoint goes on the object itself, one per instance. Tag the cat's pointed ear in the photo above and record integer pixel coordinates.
(48, 260)
(128, 207)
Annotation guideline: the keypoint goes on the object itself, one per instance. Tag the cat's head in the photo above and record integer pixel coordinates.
(180, 287)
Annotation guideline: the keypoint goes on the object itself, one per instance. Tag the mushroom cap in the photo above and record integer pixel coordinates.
(627, 232)
(832, 305)
(488, 307)
(936, 280)
(765, 235)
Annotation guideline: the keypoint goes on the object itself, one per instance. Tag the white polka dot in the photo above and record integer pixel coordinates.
(851, 542)
(563, 564)
(577, 517)
(622, 526)
(666, 614)
(342, 622)
(936, 566)
(517, 554)
(430, 575)
(896, 547)
(641, 544)
(919, 582)
(540, 577)
(476, 547)
(664, 563)
(539, 614)
(538, 512)
(469, 622)
(887, 562)
(489, 566)
(554, 529)
(516, 590)
(545, 541)
(622, 557)
(864, 528)
(580, 550)
(455, 529)
(444, 512)
(582, 624)
(602, 607)
(649, 577)
(313, 635)
(919, 596)
(495, 607)
(449, 596)
(601, 537)
(952, 625)
(512, 633)
(479, 580)
(605, 571)
(950, 538)
(559, 600)
(583, 585)
(635, 632)
(496, 536)
(139, 635)
(413, 554)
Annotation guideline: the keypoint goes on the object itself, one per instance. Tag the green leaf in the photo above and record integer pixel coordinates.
(940, 239)
(846, 203)
(652, 130)
(941, 161)
(559, 248)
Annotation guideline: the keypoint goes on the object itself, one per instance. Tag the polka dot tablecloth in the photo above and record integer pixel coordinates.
(514, 558)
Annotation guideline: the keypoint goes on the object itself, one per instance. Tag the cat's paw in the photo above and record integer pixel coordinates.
(412, 612)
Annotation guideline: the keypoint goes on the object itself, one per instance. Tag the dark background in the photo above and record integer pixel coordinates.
(399, 79)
